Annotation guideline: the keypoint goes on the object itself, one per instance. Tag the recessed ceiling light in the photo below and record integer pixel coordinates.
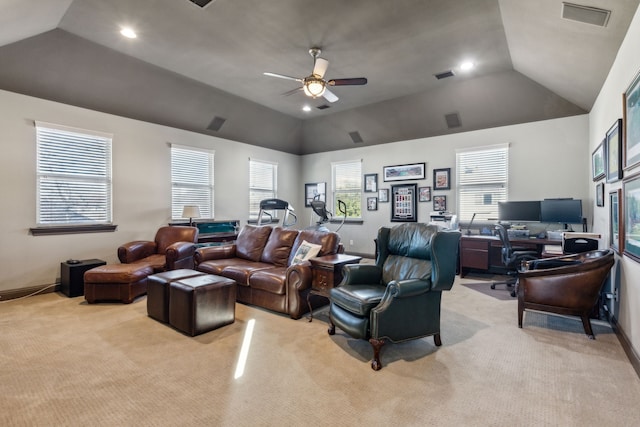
(306, 108)
(466, 66)
(128, 32)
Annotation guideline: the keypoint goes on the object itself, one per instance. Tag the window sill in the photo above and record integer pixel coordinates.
(72, 229)
(347, 221)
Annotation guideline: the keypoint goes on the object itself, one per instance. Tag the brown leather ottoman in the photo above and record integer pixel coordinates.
(116, 282)
(158, 291)
(202, 303)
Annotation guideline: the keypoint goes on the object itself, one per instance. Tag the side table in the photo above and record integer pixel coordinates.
(72, 276)
(326, 274)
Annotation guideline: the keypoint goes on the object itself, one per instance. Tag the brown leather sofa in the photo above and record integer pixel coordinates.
(261, 263)
(567, 285)
(172, 248)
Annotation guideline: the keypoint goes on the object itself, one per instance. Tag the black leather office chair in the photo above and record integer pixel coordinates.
(512, 259)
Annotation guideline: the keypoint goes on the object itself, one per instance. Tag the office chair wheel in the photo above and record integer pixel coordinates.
(493, 286)
(513, 294)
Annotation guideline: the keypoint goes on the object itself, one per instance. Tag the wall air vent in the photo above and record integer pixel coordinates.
(202, 3)
(355, 137)
(323, 107)
(216, 123)
(444, 75)
(453, 120)
(585, 14)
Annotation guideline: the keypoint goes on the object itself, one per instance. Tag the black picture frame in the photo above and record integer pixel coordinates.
(424, 194)
(631, 218)
(440, 203)
(631, 118)
(383, 195)
(616, 232)
(614, 152)
(413, 171)
(404, 203)
(442, 179)
(371, 183)
(598, 162)
(372, 203)
(600, 194)
(313, 189)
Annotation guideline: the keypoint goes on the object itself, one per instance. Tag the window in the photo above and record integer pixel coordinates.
(482, 181)
(263, 183)
(191, 180)
(347, 186)
(74, 176)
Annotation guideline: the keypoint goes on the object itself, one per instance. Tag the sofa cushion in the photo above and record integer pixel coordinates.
(328, 241)
(215, 266)
(251, 242)
(240, 272)
(270, 280)
(278, 247)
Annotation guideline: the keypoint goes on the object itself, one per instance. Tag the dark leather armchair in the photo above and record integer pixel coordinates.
(398, 298)
(567, 285)
(172, 248)
(512, 258)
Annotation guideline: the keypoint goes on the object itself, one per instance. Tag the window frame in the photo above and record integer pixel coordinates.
(270, 192)
(206, 189)
(356, 189)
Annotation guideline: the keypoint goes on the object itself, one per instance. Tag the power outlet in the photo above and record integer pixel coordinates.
(350, 242)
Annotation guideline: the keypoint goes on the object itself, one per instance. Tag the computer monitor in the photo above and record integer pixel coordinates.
(565, 211)
(524, 211)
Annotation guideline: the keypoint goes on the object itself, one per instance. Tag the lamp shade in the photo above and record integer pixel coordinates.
(190, 212)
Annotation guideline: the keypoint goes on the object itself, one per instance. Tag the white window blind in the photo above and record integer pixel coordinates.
(191, 180)
(482, 181)
(74, 176)
(347, 186)
(263, 180)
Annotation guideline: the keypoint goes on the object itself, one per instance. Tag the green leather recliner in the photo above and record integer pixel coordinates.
(398, 298)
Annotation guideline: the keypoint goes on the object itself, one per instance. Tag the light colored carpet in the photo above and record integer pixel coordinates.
(66, 363)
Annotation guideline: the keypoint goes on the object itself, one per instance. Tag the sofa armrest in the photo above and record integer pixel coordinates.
(180, 255)
(444, 259)
(214, 252)
(299, 277)
(407, 288)
(136, 250)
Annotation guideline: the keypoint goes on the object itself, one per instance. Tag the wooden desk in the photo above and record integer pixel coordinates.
(326, 274)
(484, 253)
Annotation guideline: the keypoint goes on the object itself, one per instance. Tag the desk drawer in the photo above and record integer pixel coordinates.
(474, 244)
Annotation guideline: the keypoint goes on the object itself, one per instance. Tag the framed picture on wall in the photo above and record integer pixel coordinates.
(403, 172)
(631, 119)
(439, 203)
(315, 190)
(600, 194)
(383, 195)
(372, 203)
(425, 194)
(631, 219)
(615, 225)
(404, 206)
(371, 183)
(614, 152)
(597, 162)
(442, 179)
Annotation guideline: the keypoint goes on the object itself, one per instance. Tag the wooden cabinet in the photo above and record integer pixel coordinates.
(474, 253)
(326, 274)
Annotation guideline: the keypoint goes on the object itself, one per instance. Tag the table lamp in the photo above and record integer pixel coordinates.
(191, 212)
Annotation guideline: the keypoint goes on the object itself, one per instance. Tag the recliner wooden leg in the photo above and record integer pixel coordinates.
(377, 344)
(332, 328)
(587, 326)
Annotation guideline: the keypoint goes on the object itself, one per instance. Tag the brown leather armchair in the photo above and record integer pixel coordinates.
(172, 248)
(567, 285)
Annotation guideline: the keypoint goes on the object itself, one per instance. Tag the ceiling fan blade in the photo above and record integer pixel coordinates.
(320, 67)
(356, 81)
(329, 96)
(282, 76)
(292, 91)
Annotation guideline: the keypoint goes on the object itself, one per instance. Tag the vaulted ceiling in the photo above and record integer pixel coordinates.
(201, 69)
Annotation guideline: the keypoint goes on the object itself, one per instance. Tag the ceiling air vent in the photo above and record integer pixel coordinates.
(585, 14)
(202, 3)
(453, 120)
(216, 123)
(355, 137)
(444, 75)
(323, 107)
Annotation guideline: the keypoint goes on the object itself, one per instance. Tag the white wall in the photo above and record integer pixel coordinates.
(606, 110)
(141, 185)
(547, 159)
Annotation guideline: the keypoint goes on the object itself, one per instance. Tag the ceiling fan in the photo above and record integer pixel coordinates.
(315, 85)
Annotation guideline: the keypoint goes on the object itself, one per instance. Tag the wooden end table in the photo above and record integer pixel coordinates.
(326, 274)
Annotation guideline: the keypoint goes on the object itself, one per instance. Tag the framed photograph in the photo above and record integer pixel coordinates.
(440, 203)
(631, 219)
(372, 203)
(442, 179)
(404, 203)
(315, 190)
(614, 152)
(404, 172)
(383, 195)
(424, 194)
(597, 162)
(371, 183)
(600, 194)
(615, 226)
(631, 119)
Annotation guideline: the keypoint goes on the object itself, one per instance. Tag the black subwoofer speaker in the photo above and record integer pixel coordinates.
(72, 275)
